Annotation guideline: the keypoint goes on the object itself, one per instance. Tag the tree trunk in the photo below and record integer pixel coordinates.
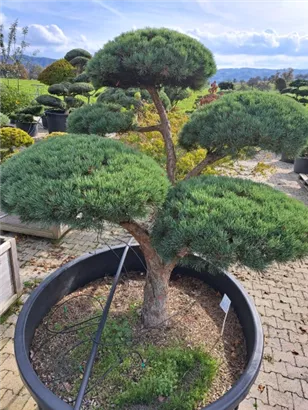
(155, 301)
(165, 130)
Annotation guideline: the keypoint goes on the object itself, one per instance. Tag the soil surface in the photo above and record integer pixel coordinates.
(195, 321)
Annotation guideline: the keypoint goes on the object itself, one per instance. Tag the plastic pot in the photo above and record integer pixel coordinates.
(95, 265)
(285, 158)
(30, 127)
(44, 121)
(56, 121)
(301, 165)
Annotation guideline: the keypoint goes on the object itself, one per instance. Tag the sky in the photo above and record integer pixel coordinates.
(243, 33)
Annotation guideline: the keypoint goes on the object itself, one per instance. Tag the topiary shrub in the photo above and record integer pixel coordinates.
(298, 90)
(100, 119)
(4, 120)
(77, 52)
(279, 124)
(50, 101)
(81, 78)
(57, 72)
(222, 220)
(55, 134)
(81, 89)
(12, 138)
(226, 85)
(61, 89)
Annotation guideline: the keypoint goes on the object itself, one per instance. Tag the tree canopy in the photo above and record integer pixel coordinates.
(100, 119)
(269, 121)
(228, 220)
(151, 57)
(81, 180)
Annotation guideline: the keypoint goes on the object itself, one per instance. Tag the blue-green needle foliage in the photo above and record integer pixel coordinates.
(228, 220)
(257, 119)
(81, 180)
(100, 119)
(151, 57)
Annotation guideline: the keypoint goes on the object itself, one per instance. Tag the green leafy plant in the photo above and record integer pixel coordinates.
(223, 220)
(12, 99)
(57, 72)
(4, 120)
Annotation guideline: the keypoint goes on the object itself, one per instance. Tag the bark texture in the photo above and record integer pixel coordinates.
(165, 130)
(208, 160)
(155, 303)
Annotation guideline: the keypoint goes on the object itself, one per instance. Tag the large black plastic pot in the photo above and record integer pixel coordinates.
(95, 265)
(44, 121)
(30, 127)
(56, 121)
(286, 158)
(301, 165)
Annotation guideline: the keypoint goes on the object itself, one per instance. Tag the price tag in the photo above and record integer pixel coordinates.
(225, 303)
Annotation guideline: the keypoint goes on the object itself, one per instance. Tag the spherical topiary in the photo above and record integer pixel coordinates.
(77, 52)
(94, 179)
(4, 120)
(152, 57)
(11, 138)
(270, 121)
(50, 101)
(59, 89)
(228, 220)
(80, 88)
(57, 72)
(100, 119)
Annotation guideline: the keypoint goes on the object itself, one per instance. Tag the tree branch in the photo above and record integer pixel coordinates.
(166, 133)
(208, 160)
(150, 128)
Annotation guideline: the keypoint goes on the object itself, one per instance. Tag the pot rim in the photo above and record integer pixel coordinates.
(233, 397)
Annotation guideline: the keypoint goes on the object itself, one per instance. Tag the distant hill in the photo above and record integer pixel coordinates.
(223, 74)
(229, 74)
(42, 61)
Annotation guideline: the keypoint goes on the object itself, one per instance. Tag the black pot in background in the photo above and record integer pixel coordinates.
(285, 158)
(44, 121)
(30, 127)
(56, 121)
(301, 165)
(92, 266)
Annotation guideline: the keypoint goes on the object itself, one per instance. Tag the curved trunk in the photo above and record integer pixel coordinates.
(165, 130)
(155, 301)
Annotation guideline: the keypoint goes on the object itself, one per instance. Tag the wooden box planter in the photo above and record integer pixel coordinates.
(12, 223)
(11, 287)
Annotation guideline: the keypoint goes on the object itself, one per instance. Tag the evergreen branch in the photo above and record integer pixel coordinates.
(208, 160)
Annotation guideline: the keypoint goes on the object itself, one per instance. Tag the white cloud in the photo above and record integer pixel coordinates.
(267, 42)
(43, 35)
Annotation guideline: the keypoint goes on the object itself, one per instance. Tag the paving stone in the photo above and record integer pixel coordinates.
(11, 382)
(290, 347)
(301, 361)
(9, 364)
(305, 387)
(296, 372)
(280, 356)
(274, 312)
(281, 399)
(30, 405)
(296, 337)
(291, 385)
(299, 402)
(9, 347)
(276, 367)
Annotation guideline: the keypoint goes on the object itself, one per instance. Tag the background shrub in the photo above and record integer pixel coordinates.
(4, 120)
(12, 99)
(57, 72)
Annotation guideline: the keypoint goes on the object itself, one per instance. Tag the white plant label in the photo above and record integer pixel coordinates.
(225, 303)
(225, 306)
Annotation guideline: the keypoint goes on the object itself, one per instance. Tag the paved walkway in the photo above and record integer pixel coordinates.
(280, 294)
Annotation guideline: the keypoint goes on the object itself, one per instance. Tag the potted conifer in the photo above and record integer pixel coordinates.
(203, 222)
(25, 118)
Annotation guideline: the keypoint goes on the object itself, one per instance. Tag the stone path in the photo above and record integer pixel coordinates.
(280, 294)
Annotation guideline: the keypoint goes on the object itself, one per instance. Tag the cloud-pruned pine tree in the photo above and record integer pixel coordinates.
(83, 180)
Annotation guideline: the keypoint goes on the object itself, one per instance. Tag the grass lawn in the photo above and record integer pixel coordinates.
(188, 103)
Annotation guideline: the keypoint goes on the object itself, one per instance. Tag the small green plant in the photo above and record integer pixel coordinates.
(269, 358)
(4, 120)
(32, 284)
(14, 308)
